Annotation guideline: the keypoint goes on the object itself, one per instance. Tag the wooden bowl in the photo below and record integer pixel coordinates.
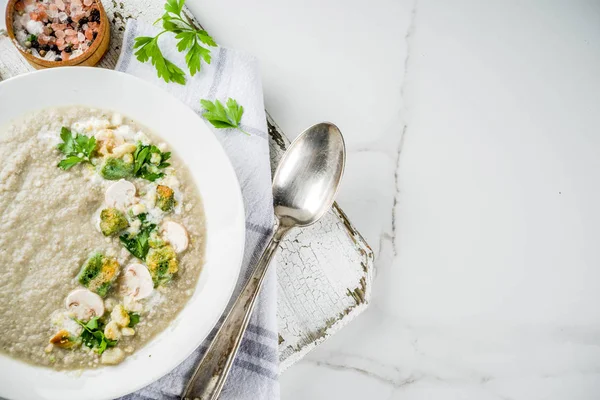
(89, 58)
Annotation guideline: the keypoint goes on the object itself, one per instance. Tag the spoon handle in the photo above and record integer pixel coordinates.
(210, 374)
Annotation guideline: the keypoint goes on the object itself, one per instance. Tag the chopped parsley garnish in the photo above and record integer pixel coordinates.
(221, 116)
(76, 149)
(190, 39)
(134, 318)
(93, 337)
(138, 245)
(143, 167)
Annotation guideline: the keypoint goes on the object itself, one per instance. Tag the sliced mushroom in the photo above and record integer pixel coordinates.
(176, 235)
(137, 281)
(120, 194)
(85, 304)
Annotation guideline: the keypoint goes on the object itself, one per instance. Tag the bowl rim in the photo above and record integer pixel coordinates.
(8, 20)
(178, 357)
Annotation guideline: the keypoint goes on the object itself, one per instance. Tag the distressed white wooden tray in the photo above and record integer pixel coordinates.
(324, 272)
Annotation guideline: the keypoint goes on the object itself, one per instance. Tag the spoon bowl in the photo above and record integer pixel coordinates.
(308, 176)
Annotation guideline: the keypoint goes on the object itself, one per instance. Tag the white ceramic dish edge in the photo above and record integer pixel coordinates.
(172, 120)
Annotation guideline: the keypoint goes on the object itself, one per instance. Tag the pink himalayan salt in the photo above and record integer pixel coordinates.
(53, 11)
(52, 15)
(43, 39)
(59, 27)
(76, 10)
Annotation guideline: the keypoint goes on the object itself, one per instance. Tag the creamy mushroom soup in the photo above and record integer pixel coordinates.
(102, 237)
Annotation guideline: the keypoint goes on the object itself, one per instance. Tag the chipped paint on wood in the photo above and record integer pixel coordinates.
(324, 271)
(324, 275)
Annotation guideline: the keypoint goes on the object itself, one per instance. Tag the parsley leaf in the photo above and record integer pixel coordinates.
(148, 50)
(77, 149)
(189, 38)
(138, 245)
(143, 167)
(174, 6)
(93, 337)
(223, 117)
(69, 162)
(134, 319)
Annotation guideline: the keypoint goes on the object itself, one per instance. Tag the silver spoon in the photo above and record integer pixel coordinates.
(304, 188)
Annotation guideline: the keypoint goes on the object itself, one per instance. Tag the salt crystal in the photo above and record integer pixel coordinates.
(76, 9)
(21, 36)
(80, 36)
(52, 13)
(34, 27)
(62, 16)
(24, 19)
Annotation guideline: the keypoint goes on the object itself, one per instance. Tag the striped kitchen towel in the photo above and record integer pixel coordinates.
(236, 75)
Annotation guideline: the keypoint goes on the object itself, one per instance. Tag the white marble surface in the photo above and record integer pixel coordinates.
(486, 225)
(473, 131)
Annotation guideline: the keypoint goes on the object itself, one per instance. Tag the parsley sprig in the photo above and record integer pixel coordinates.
(189, 39)
(76, 149)
(143, 167)
(93, 337)
(138, 245)
(221, 116)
